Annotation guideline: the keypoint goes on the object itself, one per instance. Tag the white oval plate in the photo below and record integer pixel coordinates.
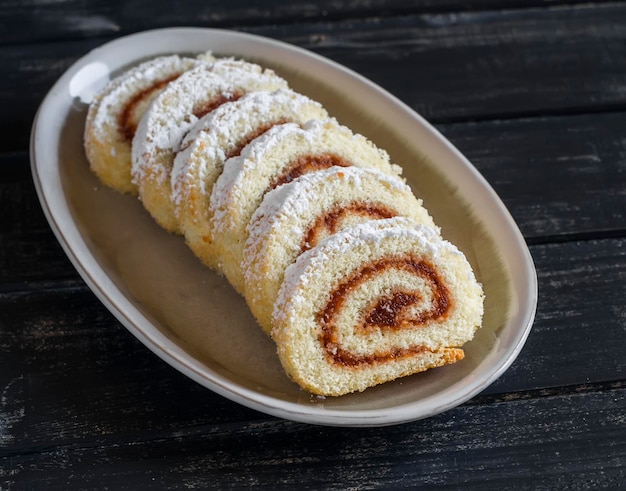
(192, 319)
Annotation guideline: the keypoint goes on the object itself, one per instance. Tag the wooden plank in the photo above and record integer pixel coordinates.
(34, 70)
(523, 159)
(41, 20)
(67, 367)
(449, 67)
(26, 240)
(574, 441)
(490, 64)
(580, 326)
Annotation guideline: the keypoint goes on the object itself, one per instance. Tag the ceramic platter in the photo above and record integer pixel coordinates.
(192, 319)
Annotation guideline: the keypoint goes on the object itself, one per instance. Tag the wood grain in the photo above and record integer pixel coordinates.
(41, 20)
(495, 63)
(26, 241)
(580, 325)
(523, 159)
(544, 443)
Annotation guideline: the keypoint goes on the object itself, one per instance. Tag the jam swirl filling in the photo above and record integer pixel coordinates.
(305, 164)
(126, 123)
(255, 133)
(392, 312)
(205, 107)
(331, 221)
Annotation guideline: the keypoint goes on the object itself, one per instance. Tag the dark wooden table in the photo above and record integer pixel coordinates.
(533, 93)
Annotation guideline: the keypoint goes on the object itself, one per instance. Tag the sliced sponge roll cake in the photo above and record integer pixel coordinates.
(295, 217)
(115, 113)
(372, 303)
(173, 113)
(337, 259)
(279, 156)
(218, 136)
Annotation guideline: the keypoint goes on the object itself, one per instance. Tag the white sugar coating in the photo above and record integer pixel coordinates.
(246, 178)
(114, 97)
(115, 112)
(295, 201)
(318, 274)
(281, 227)
(171, 116)
(219, 134)
(221, 131)
(302, 198)
(251, 158)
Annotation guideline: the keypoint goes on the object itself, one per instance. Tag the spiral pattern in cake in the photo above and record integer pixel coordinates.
(374, 302)
(297, 216)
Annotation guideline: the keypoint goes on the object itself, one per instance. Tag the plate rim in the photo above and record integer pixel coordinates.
(524, 279)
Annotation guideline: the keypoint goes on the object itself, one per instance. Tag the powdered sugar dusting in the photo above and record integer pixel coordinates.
(221, 131)
(294, 200)
(235, 168)
(170, 117)
(230, 116)
(122, 89)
